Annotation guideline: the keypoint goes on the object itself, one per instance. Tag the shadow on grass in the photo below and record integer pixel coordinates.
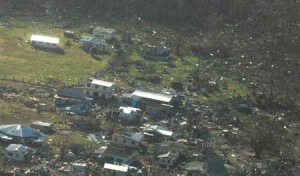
(51, 50)
(97, 58)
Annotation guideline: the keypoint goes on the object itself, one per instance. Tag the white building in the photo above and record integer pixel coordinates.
(104, 33)
(128, 113)
(126, 138)
(19, 152)
(98, 88)
(44, 41)
(116, 170)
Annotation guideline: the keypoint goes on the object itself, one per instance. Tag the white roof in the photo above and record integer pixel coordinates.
(18, 147)
(45, 39)
(159, 129)
(153, 95)
(165, 133)
(101, 83)
(128, 110)
(123, 168)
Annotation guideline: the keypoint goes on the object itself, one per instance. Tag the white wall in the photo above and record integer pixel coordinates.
(15, 155)
(101, 90)
(44, 44)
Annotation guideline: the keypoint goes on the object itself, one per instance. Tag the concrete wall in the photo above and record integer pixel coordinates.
(166, 161)
(15, 155)
(122, 141)
(107, 92)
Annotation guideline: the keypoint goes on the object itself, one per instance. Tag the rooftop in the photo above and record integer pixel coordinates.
(18, 147)
(128, 110)
(195, 166)
(71, 93)
(93, 40)
(101, 150)
(46, 39)
(162, 130)
(153, 95)
(40, 123)
(116, 150)
(104, 30)
(101, 82)
(133, 136)
(120, 168)
(19, 131)
(171, 154)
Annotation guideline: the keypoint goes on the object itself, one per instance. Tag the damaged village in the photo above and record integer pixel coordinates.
(126, 88)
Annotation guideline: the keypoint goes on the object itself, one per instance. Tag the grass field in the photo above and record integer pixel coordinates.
(20, 60)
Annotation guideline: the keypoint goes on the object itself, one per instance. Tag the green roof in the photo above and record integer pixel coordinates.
(93, 40)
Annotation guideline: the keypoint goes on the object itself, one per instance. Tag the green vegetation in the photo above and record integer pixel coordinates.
(20, 60)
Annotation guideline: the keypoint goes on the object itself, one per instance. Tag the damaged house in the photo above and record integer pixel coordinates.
(157, 133)
(126, 138)
(156, 104)
(92, 45)
(156, 52)
(104, 33)
(168, 159)
(70, 96)
(97, 88)
(19, 152)
(115, 154)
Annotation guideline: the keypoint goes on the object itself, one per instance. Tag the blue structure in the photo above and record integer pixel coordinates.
(18, 133)
(80, 109)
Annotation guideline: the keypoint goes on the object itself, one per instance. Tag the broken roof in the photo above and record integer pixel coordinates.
(18, 147)
(103, 30)
(71, 93)
(195, 166)
(40, 123)
(128, 110)
(156, 128)
(101, 82)
(46, 39)
(133, 136)
(101, 150)
(120, 151)
(120, 168)
(152, 95)
(171, 154)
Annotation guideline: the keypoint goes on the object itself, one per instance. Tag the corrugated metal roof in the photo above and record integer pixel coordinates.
(46, 39)
(133, 136)
(93, 40)
(128, 110)
(152, 95)
(120, 168)
(18, 147)
(159, 129)
(101, 82)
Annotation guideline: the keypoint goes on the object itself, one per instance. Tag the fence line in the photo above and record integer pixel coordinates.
(37, 82)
